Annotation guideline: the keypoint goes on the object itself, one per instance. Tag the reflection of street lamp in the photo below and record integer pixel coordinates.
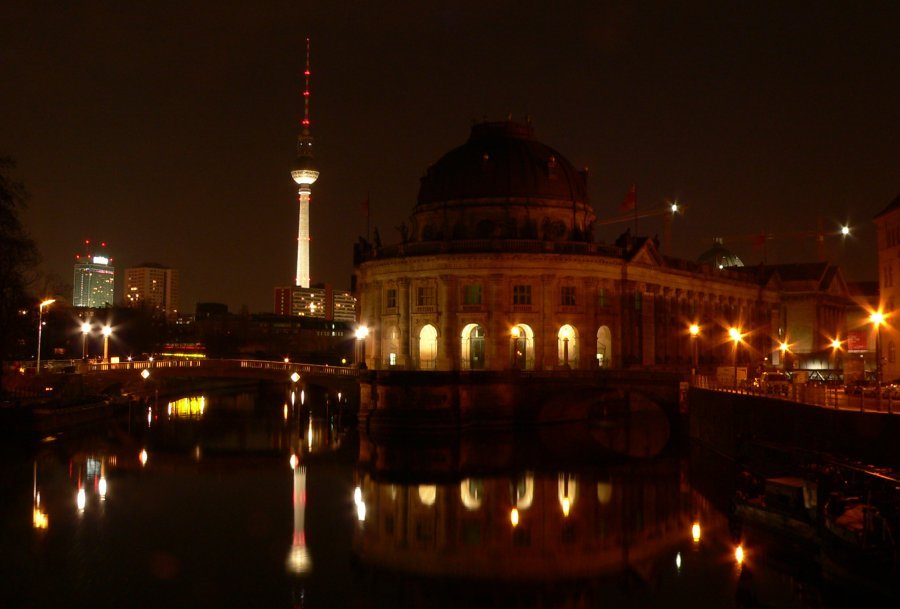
(85, 330)
(361, 333)
(106, 331)
(735, 336)
(694, 331)
(41, 306)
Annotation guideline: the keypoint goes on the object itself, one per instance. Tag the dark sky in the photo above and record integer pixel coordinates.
(168, 129)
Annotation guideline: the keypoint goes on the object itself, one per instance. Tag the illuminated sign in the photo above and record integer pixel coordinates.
(857, 341)
(101, 260)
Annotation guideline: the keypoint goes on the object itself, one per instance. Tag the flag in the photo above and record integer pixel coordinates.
(630, 201)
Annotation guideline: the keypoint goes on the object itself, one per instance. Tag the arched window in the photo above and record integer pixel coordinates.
(604, 348)
(522, 347)
(427, 347)
(472, 347)
(568, 346)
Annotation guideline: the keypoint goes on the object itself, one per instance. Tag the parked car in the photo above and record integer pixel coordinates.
(862, 387)
(776, 383)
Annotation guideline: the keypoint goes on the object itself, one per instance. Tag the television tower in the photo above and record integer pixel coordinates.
(304, 173)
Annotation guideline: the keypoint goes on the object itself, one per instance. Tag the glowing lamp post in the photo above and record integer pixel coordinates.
(784, 348)
(85, 330)
(694, 331)
(106, 331)
(877, 319)
(41, 306)
(361, 333)
(735, 336)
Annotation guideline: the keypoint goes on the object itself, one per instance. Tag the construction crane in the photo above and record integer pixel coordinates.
(819, 234)
(668, 213)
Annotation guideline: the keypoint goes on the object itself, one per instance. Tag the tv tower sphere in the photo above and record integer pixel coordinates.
(304, 170)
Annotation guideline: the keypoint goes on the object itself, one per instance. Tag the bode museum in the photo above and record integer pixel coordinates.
(497, 269)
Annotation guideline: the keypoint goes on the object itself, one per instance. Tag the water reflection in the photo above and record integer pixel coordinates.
(236, 504)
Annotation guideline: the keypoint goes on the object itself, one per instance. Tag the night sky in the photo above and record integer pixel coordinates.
(169, 131)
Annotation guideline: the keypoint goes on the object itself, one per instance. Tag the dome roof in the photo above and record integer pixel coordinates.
(719, 257)
(502, 160)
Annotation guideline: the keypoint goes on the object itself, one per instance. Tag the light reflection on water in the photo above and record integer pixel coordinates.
(236, 504)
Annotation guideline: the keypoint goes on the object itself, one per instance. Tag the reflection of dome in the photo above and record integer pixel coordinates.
(502, 160)
(503, 184)
(718, 256)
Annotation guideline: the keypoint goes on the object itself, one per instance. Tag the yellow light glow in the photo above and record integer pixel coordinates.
(739, 554)
(357, 495)
(566, 506)
(143, 457)
(845, 230)
(694, 329)
(674, 207)
(188, 407)
(362, 332)
(39, 518)
(515, 332)
(294, 461)
(81, 499)
(877, 318)
(285, 412)
(47, 302)
(106, 331)
(835, 344)
(427, 494)
(145, 374)
(784, 347)
(361, 511)
(101, 488)
(734, 334)
(678, 561)
(85, 328)
(514, 517)
(295, 377)
(695, 532)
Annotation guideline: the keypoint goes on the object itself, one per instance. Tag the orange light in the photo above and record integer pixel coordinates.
(695, 532)
(739, 555)
(514, 517)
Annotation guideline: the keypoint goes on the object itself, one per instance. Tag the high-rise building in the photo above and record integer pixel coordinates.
(152, 286)
(321, 302)
(94, 278)
(304, 173)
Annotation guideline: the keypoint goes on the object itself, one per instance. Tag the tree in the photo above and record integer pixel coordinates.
(18, 257)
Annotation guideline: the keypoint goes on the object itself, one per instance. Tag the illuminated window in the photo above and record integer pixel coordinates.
(521, 294)
(391, 298)
(472, 294)
(568, 296)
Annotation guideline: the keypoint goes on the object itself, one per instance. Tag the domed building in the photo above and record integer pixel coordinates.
(498, 269)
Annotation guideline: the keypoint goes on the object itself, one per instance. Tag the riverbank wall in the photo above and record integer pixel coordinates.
(728, 422)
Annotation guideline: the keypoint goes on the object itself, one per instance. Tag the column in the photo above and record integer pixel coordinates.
(403, 304)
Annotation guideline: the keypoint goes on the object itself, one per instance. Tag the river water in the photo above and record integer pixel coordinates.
(267, 500)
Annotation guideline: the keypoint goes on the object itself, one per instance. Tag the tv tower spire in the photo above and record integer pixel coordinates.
(304, 173)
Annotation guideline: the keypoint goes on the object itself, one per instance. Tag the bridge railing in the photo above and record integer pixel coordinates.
(225, 364)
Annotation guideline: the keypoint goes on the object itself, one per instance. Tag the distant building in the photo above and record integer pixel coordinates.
(94, 278)
(887, 224)
(152, 286)
(319, 302)
(497, 269)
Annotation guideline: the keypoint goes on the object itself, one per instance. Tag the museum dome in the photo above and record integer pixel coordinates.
(502, 160)
(718, 256)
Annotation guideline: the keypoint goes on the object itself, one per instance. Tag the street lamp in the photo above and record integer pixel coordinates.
(85, 330)
(106, 331)
(784, 348)
(877, 319)
(735, 336)
(41, 306)
(694, 331)
(361, 333)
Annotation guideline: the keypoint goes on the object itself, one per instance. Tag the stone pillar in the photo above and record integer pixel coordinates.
(448, 353)
(648, 318)
(547, 347)
(588, 336)
(497, 335)
(403, 306)
(371, 318)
